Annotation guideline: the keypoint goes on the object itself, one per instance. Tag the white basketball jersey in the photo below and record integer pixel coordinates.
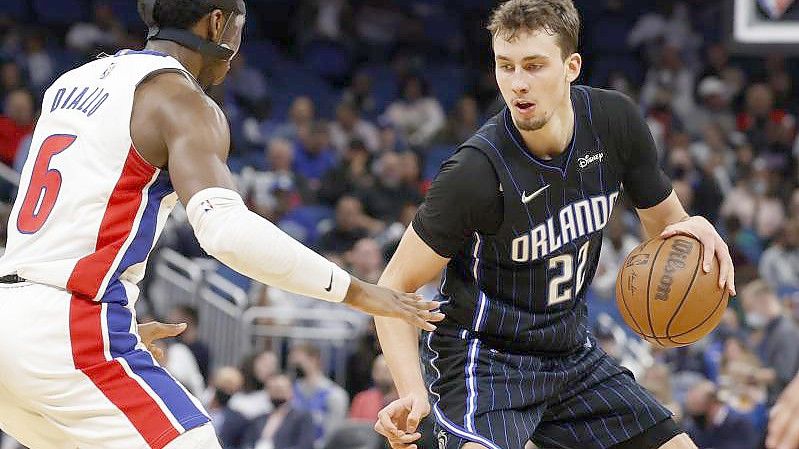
(89, 207)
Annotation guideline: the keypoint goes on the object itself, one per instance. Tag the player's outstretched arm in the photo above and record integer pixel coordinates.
(176, 125)
(413, 265)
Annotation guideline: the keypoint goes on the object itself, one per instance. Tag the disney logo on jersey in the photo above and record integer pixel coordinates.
(589, 159)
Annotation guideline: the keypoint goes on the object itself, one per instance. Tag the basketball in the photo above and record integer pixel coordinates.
(664, 295)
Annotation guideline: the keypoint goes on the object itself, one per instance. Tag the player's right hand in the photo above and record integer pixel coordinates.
(381, 301)
(399, 420)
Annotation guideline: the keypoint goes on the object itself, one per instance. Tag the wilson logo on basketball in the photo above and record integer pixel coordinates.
(676, 261)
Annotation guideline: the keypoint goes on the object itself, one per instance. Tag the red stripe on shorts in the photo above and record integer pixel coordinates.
(86, 334)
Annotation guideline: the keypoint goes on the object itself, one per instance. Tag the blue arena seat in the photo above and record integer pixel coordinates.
(328, 59)
(434, 158)
(61, 12)
(16, 9)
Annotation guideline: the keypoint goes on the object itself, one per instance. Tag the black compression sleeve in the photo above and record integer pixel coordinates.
(463, 198)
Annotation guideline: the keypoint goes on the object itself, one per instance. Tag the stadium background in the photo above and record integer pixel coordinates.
(341, 112)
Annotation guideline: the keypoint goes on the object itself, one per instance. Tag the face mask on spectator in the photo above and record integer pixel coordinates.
(277, 402)
(756, 320)
(221, 397)
(699, 418)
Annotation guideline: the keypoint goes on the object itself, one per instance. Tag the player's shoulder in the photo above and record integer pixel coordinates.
(607, 100)
(173, 92)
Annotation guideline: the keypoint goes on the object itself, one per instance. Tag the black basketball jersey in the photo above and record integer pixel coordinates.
(522, 284)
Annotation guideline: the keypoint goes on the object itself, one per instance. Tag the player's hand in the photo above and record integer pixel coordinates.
(399, 420)
(380, 301)
(702, 230)
(152, 331)
(783, 427)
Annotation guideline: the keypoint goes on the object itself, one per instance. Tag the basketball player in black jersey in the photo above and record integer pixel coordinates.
(516, 217)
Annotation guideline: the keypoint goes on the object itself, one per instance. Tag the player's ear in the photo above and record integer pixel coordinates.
(574, 63)
(216, 25)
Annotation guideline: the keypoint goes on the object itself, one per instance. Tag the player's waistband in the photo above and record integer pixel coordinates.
(507, 344)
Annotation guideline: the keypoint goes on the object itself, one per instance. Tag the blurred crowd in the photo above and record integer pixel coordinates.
(340, 118)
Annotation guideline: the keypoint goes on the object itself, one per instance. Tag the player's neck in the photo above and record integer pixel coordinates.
(552, 139)
(190, 59)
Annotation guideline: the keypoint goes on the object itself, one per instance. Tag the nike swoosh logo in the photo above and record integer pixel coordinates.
(527, 198)
(330, 287)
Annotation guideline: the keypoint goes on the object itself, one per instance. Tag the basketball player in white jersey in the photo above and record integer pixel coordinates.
(120, 141)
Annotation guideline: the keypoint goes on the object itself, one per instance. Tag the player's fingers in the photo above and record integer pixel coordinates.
(387, 427)
(731, 280)
(156, 331)
(708, 254)
(423, 304)
(408, 438)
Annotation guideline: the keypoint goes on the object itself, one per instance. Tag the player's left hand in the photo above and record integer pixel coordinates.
(783, 427)
(152, 331)
(702, 230)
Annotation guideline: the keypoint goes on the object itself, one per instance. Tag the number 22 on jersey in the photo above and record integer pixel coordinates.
(45, 185)
(564, 263)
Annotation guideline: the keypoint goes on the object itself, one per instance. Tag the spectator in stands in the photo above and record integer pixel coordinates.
(350, 226)
(314, 155)
(764, 124)
(616, 245)
(462, 122)
(330, 20)
(103, 34)
(743, 380)
(349, 176)
(367, 348)
(779, 264)
(229, 424)
(315, 393)
(713, 108)
(16, 122)
(11, 79)
(253, 400)
(191, 337)
(366, 404)
(777, 349)
(391, 138)
(248, 87)
(657, 379)
(302, 113)
(386, 199)
(417, 114)
(671, 74)
(365, 260)
(349, 126)
(286, 427)
(714, 425)
(275, 192)
(359, 94)
(37, 62)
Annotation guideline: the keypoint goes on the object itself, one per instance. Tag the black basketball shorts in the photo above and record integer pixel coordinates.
(502, 400)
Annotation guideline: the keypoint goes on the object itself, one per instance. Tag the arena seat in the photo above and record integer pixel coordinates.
(61, 12)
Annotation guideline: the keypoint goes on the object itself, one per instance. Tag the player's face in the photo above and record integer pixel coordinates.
(229, 31)
(533, 77)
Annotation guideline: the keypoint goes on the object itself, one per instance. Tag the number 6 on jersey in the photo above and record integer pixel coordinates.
(44, 186)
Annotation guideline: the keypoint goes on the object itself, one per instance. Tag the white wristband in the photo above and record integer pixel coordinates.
(255, 247)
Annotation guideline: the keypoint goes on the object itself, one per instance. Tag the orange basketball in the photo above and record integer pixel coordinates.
(664, 295)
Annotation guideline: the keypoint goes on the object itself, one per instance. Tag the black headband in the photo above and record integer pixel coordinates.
(186, 37)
